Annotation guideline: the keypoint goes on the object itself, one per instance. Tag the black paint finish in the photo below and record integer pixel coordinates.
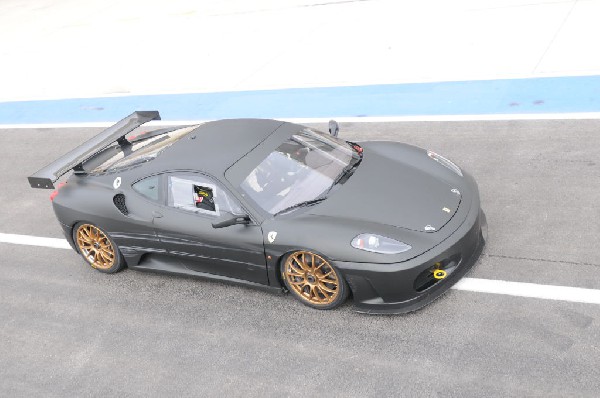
(397, 191)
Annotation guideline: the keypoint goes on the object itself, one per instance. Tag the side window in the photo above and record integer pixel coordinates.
(199, 194)
(148, 187)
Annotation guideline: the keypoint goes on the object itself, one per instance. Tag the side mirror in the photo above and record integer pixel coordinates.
(227, 219)
(334, 128)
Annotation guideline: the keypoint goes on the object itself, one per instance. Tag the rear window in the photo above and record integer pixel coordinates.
(148, 187)
(142, 151)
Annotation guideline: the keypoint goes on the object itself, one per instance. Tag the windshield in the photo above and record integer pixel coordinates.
(301, 169)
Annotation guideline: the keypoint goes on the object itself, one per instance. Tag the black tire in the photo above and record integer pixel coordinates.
(97, 248)
(313, 281)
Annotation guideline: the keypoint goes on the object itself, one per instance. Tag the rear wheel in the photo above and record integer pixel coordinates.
(313, 280)
(97, 248)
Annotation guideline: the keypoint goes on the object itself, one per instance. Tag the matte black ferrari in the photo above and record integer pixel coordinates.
(274, 205)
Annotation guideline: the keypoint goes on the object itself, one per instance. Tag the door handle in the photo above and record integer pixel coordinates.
(156, 214)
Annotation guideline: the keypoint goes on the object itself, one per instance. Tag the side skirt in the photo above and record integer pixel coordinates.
(167, 265)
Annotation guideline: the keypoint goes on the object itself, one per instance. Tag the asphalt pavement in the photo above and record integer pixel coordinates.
(67, 330)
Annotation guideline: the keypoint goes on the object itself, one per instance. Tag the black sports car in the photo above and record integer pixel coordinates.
(273, 205)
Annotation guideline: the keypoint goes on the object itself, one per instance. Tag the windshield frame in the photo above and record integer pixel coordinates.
(297, 136)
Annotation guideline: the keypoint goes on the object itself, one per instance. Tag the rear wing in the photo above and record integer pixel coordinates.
(74, 159)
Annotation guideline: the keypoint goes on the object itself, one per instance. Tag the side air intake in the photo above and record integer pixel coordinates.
(119, 201)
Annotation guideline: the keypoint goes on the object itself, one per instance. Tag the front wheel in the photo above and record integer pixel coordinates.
(313, 280)
(97, 248)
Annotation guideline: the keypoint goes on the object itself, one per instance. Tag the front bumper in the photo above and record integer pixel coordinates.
(391, 288)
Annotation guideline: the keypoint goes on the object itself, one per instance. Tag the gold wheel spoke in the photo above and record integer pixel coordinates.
(105, 256)
(306, 264)
(330, 281)
(104, 259)
(294, 261)
(326, 289)
(84, 236)
(320, 265)
(328, 294)
(320, 290)
(95, 246)
(305, 267)
(88, 254)
(298, 268)
(300, 284)
(302, 263)
(294, 272)
(313, 294)
(107, 259)
(323, 293)
(325, 283)
(325, 275)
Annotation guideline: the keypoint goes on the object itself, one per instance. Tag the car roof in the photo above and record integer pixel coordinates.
(214, 146)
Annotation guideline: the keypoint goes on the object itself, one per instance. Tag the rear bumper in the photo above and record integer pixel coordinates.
(392, 288)
(68, 232)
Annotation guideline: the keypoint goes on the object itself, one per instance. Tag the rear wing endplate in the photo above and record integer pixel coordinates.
(46, 177)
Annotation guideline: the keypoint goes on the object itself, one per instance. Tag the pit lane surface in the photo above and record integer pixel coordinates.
(68, 330)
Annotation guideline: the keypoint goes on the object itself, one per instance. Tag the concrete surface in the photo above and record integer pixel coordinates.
(68, 330)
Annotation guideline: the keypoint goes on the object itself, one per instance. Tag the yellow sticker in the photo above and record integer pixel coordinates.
(439, 274)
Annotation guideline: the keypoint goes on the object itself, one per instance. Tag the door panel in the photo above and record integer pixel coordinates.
(236, 251)
(194, 201)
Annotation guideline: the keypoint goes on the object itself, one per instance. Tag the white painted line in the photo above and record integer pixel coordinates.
(34, 241)
(521, 289)
(374, 119)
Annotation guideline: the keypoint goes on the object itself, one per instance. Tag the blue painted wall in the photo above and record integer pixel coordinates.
(539, 95)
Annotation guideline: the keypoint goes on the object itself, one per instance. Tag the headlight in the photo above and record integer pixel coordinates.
(379, 244)
(445, 162)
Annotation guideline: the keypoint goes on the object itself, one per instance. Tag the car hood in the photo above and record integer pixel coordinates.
(386, 189)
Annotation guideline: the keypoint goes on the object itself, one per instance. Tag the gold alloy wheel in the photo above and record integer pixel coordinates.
(95, 246)
(311, 277)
